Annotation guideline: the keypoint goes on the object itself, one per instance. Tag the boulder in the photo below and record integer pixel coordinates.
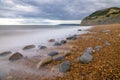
(53, 53)
(72, 37)
(98, 48)
(63, 41)
(29, 47)
(44, 62)
(107, 43)
(16, 56)
(42, 47)
(85, 58)
(58, 58)
(65, 66)
(5, 53)
(51, 40)
(89, 50)
(79, 29)
(57, 44)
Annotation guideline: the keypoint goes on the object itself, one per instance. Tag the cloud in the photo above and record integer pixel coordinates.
(53, 9)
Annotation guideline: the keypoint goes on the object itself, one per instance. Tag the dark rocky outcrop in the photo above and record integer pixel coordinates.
(5, 53)
(104, 16)
(16, 56)
(29, 47)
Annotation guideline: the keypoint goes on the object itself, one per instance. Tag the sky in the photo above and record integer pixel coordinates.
(49, 11)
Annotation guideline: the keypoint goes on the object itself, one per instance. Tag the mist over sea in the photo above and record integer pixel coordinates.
(15, 36)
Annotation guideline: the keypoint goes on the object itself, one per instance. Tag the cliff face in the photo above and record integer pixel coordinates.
(105, 16)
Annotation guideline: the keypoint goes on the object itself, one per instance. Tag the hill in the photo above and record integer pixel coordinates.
(104, 16)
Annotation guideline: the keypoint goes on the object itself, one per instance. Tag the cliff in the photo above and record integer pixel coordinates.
(104, 16)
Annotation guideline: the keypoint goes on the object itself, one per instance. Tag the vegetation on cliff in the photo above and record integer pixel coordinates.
(104, 16)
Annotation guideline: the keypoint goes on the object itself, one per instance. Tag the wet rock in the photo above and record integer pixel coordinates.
(85, 58)
(5, 53)
(72, 37)
(98, 48)
(29, 47)
(44, 62)
(53, 53)
(79, 29)
(16, 56)
(57, 44)
(89, 50)
(51, 40)
(58, 58)
(106, 31)
(65, 66)
(107, 43)
(42, 47)
(63, 41)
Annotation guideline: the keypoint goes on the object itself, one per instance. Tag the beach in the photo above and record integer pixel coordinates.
(104, 66)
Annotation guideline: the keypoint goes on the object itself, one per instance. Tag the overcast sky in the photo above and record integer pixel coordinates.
(48, 11)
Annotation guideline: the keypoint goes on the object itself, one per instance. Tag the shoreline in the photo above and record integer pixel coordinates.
(99, 68)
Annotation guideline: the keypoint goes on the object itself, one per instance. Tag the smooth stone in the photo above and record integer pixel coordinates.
(79, 29)
(89, 50)
(71, 37)
(107, 43)
(98, 48)
(57, 44)
(106, 31)
(42, 47)
(65, 66)
(85, 58)
(63, 41)
(29, 47)
(5, 53)
(44, 62)
(51, 40)
(59, 58)
(53, 53)
(16, 56)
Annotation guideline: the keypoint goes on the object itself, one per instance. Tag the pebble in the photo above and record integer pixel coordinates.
(42, 47)
(98, 48)
(15, 56)
(107, 43)
(85, 58)
(59, 58)
(53, 53)
(89, 50)
(57, 44)
(65, 66)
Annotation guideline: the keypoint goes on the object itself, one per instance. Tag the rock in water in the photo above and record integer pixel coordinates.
(85, 58)
(72, 37)
(44, 61)
(29, 47)
(57, 44)
(79, 30)
(16, 56)
(98, 48)
(65, 66)
(52, 40)
(5, 53)
(63, 41)
(42, 47)
(53, 53)
(89, 50)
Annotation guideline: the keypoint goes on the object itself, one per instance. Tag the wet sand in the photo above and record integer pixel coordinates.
(105, 65)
